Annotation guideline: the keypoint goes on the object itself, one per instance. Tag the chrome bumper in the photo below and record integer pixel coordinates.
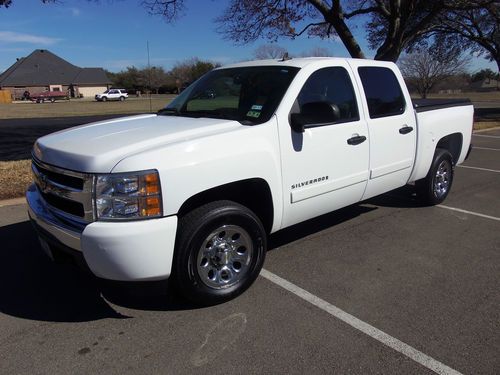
(41, 215)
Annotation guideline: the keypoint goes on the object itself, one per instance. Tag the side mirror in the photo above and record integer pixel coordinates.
(314, 113)
(297, 122)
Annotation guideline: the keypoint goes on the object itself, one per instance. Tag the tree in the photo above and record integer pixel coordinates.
(129, 78)
(476, 29)
(269, 51)
(425, 69)
(484, 74)
(153, 77)
(392, 26)
(188, 71)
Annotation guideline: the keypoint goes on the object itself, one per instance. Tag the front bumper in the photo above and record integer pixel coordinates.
(124, 251)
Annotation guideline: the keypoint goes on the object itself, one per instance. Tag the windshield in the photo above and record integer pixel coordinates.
(249, 95)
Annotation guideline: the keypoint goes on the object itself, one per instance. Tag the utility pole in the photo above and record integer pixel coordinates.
(149, 79)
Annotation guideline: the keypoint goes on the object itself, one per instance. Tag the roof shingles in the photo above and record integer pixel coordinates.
(42, 68)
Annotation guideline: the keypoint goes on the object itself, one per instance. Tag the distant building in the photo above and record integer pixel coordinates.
(486, 84)
(42, 71)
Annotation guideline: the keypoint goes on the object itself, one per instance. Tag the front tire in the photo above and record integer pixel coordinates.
(104, 99)
(220, 250)
(434, 188)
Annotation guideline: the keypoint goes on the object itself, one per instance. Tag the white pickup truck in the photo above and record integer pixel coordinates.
(192, 192)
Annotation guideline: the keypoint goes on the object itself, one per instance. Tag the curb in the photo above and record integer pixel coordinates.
(12, 202)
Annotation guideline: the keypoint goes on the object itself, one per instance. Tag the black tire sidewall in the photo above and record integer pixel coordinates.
(186, 273)
(427, 185)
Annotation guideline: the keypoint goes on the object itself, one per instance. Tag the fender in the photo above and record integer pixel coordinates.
(190, 168)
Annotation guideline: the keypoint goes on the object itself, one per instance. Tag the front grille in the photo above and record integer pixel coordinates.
(65, 205)
(62, 179)
(67, 193)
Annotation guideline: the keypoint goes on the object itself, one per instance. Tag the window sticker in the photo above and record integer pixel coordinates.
(257, 107)
(253, 114)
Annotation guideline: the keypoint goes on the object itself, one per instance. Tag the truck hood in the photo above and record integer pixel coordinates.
(99, 146)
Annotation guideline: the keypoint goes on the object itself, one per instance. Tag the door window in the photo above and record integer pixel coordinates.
(327, 97)
(382, 90)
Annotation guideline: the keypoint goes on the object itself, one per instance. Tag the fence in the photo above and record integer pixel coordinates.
(5, 96)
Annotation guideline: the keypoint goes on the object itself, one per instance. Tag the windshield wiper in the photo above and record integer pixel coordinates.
(167, 111)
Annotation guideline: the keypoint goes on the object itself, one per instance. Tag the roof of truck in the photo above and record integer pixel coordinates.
(299, 62)
(302, 62)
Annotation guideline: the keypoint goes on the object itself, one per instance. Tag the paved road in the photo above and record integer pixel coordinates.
(427, 276)
(18, 135)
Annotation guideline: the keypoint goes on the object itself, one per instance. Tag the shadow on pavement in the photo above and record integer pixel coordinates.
(306, 228)
(33, 287)
(404, 197)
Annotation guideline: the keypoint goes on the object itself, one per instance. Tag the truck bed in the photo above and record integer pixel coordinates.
(423, 105)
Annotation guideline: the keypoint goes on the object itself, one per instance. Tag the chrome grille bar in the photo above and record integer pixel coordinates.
(69, 202)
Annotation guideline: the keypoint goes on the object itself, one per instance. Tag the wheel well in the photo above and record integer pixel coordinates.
(452, 143)
(253, 193)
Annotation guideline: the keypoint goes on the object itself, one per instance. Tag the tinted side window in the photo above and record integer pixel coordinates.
(332, 86)
(382, 90)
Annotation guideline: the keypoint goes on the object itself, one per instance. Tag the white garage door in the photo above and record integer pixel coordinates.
(90, 92)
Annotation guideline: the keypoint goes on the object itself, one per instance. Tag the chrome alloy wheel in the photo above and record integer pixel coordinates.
(442, 179)
(224, 257)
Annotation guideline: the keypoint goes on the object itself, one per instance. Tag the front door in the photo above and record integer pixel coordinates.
(325, 167)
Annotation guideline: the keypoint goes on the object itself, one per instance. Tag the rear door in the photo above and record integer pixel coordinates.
(113, 94)
(391, 125)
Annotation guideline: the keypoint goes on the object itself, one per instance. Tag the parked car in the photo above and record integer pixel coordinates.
(193, 192)
(112, 94)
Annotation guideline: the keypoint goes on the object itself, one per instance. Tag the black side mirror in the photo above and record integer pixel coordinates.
(312, 114)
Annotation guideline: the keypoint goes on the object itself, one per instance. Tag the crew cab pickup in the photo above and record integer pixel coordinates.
(192, 193)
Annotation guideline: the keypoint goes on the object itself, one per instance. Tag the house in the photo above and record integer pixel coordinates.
(486, 84)
(44, 71)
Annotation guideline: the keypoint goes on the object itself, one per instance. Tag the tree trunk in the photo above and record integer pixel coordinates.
(347, 38)
(334, 15)
(388, 53)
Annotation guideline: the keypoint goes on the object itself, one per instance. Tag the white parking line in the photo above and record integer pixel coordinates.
(486, 136)
(360, 325)
(486, 130)
(469, 212)
(486, 148)
(479, 169)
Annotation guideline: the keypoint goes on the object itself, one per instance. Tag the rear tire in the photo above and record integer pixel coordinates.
(122, 98)
(434, 188)
(220, 250)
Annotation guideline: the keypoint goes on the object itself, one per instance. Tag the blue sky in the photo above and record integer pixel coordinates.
(113, 34)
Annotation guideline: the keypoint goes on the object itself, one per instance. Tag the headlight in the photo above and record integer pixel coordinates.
(128, 196)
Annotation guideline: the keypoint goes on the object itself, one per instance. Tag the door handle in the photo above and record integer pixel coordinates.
(356, 140)
(406, 129)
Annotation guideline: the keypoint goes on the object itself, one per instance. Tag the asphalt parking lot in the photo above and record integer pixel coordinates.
(385, 286)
